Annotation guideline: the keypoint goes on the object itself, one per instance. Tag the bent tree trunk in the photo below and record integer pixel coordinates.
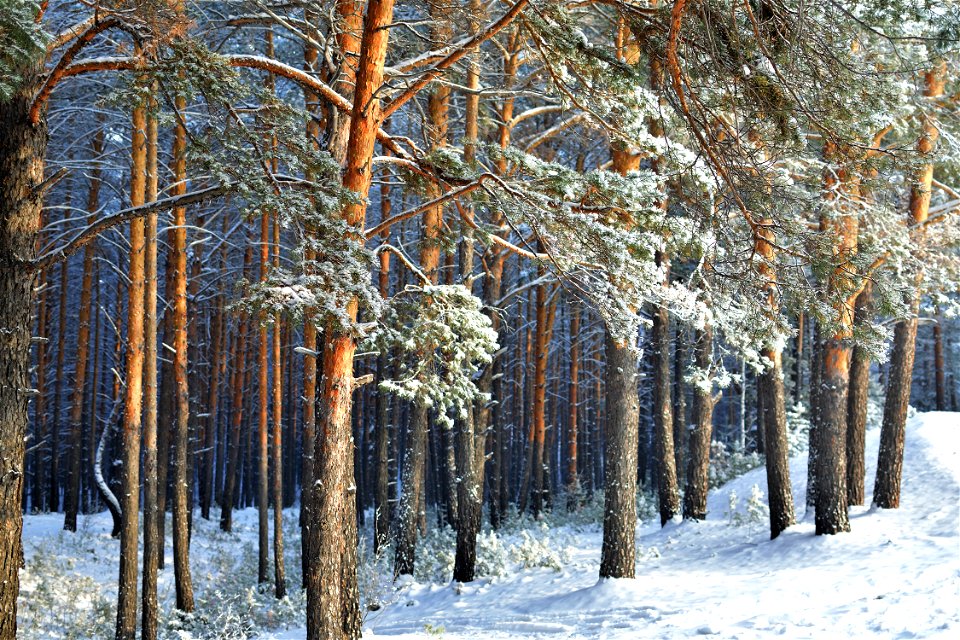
(618, 554)
(22, 148)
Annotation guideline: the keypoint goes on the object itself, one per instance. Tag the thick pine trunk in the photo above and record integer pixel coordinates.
(133, 393)
(831, 505)
(472, 431)
(333, 599)
(886, 490)
(771, 398)
(836, 349)
(22, 148)
(618, 554)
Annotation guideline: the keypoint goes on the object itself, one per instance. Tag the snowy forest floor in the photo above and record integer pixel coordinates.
(896, 575)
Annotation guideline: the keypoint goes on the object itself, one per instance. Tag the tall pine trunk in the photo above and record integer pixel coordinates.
(333, 600)
(133, 393)
(857, 404)
(181, 440)
(886, 492)
(618, 554)
(150, 487)
(22, 149)
(698, 450)
(75, 450)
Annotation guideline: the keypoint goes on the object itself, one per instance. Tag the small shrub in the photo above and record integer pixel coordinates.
(755, 510)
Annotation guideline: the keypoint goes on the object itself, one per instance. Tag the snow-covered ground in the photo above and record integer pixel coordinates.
(896, 575)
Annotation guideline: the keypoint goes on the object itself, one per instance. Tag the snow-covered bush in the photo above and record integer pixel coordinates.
(541, 550)
(436, 554)
(491, 554)
(374, 576)
(798, 428)
(754, 512)
(727, 463)
(51, 579)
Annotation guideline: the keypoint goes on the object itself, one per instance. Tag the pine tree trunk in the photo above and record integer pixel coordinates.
(698, 451)
(310, 57)
(181, 441)
(91, 501)
(472, 431)
(886, 492)
(771, 397)
(573, 481)
(836, 351)
(776, 450)
(133, 393)
(538, 427)
(75, 449)
(263, 459)
(22, 149)
(411, 498)
(236, 413)
(279, 574)
(668, 493)
(150, 487)
(938, 363)
(679, 404)
(53, 476)
(813, 443)
(333, 600)
(217, 340)
(618, 554)
(857, 404)
(381, 523)
(167, 411)
(798, 360)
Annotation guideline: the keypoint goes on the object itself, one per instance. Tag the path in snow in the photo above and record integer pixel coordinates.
(896, 575)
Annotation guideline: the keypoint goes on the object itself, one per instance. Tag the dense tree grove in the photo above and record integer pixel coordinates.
(436, 262)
